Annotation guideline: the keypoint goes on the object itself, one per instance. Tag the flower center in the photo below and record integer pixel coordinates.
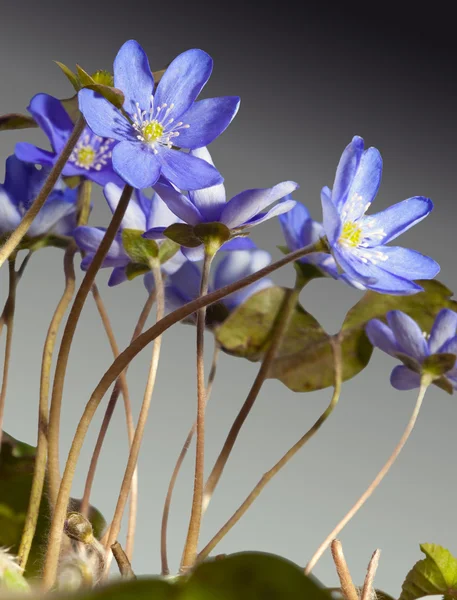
(156, 127)
(152, 131)
(351, 235)
(91, 152)
(85, 157)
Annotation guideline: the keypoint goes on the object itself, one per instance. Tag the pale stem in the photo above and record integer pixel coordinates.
(176, 470)
(143, 416)
(9, 322)
(348, 588)
(268, 476)
(39, 472)
(19, 274)
(191, 546)
(67, 339)
(116, 368)
(371, 488)
(16, 237)
(368, 585)
(278, 332)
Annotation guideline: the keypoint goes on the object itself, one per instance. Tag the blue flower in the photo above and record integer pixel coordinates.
(358, 241)
(21, 186)
(91, 157)
(209, 205)
(161, 120)
(183, 286)
(403, 337)
(141, 214)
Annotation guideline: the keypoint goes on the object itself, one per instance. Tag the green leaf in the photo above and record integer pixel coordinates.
(183, 234)
(213, 235)
(139, 249)
(84, 78)
(435, 574)
(304, 361)
(251, 576)
(438, 364)
(72, 77)
(16, 121)
(167, 250)
(16, 472)
(133, 270)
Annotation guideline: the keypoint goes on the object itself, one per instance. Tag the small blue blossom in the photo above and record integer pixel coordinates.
(183, 286)
(91, 157)
(357, 241)
(161, 119)
(403, 336)
(141, 214)
(209, 205)
(21, 186)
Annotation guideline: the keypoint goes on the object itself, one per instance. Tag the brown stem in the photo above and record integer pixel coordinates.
(176, 470)
(16, 237)
(123, 562)
(19, 274)
(55, 533)
(193, 534)
(277, 336)
(67, 339)
(379, 477)
(39, 472)
(348, 588)
(9, 322)
(268, 476)
(143, 416)
(368, 584)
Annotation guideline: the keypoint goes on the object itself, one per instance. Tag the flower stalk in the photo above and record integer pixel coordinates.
(9, 322)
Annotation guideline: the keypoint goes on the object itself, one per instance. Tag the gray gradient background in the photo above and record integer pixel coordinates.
(307, 86)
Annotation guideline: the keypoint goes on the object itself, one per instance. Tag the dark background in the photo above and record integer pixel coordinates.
(309, 78)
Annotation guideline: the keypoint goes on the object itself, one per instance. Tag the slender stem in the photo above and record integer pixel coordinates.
(19, 274)
(123, 561)
(39, 472)
(116, 368)
(348, 588)
(121, 385)
(371, 488)
(193, 534)
(176, 470)
(368, 584)
(143, 416)
(15, 238)
(67, 339)
(268, 476)
(9, 322)
(279, 330)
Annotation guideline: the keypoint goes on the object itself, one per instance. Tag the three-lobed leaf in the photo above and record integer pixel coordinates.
(435, 574)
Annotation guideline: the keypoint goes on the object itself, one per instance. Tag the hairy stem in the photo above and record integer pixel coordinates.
(277, 336)
(368, 584)
(121, 362)
(348, 588)
(268, 476)
(371, 488)
(39, 472)
(193, 534)
(143, 416)
(176, 470)
(19, 274)
(16, 237)
(67, 339)
(9, 322)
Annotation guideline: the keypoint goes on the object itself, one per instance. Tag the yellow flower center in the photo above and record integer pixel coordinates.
(351, 235)
(85, 156)
(152, 131)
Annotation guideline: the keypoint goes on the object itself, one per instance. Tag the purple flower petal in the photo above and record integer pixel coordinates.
(194, 254)
(408, 335)
(239, 243)
(134, 217)
(207, 119)
(53, 119)
(346, 170)
(450, 346)
(188, 172)
(159, 213)
(246, 205)
(278, 209)
(9, 214)
(103, 118)
(398, 218)
(89, 239)
(56, 207)
(118, 275)
(132, 75)
(292, 224)
(173, 264)
(405, 263)
(209, 201)
(183, 81)
(403, 378)
(444, 328)
(155, 233)
(136, 164)
(331, 219)
(364, 186)
(18, 175)
(186, 281)
(31, 154)
(381, 336)
(179, 204)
